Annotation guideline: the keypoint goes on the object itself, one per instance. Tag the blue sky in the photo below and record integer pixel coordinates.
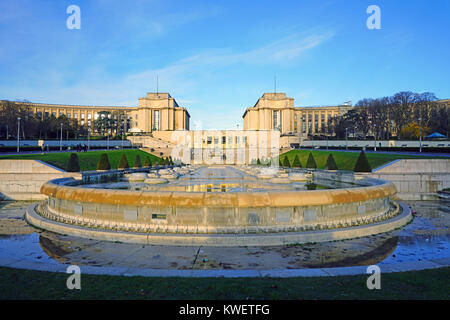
(218, 57)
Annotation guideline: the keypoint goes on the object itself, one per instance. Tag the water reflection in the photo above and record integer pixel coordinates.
(426, 238)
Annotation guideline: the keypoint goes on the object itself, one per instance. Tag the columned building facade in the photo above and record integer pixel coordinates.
(160, 112)
(275, 111)
(156, 112)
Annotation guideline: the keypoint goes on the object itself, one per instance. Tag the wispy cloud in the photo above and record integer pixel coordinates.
(79, 72)
(281, 51)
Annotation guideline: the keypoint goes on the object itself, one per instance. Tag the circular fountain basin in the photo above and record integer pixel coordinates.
(221, 206)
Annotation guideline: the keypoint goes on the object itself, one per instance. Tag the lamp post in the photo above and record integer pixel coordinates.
(18, 134)
(60, 139)
(420, 135)
(375, 136)
(346, 138)
(89, 137)
(122, 138)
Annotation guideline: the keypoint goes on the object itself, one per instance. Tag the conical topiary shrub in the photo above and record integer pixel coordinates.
(362, 164)
(103, 162)
(279, 162)
(286, 162)
(331, 164)
(311, 162)
(123, 163)
(147, 162)
(73, 165)
(137, 162)
(297, 163)
(258, 162)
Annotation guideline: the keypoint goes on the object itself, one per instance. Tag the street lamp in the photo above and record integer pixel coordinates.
(122, 138)
(18, 134)
(89, 137)
(346, 139)
(420, 135)
(60, 139)
(375, 136)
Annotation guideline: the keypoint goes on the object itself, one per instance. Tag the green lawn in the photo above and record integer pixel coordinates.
(27, 284)
(88, 160)
(347, 160)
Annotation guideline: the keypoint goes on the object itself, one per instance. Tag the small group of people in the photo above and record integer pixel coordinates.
(81, 147)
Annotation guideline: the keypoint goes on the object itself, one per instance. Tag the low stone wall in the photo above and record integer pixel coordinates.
(202, 212)
(416, 179)
(22, 179)
(254, 239)
(334, 175)
(379, 143)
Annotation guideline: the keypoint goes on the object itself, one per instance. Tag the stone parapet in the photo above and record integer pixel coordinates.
(22, 179)
(229, 212)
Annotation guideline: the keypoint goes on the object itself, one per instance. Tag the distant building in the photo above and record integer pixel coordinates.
(275, 111)
(156, 112)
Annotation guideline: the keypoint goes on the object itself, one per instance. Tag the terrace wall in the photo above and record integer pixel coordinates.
(22, 179)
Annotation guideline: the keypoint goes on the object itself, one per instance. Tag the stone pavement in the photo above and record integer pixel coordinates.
(423, 244)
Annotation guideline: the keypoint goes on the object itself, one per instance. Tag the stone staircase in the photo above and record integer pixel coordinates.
(155, 146)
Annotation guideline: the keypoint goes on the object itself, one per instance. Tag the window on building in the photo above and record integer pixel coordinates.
(230, 140)
(316, 122)
(237, 140)
(244, 139)
(75, 115)
(89, 116)
(216, 140)
(209, 140)
(156, 120)
(276, 120)
(68, 115)
(82, 116)
(224, 140)
(54, 114)
(96, 116)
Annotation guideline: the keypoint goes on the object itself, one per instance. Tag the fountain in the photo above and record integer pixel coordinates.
(219, 206)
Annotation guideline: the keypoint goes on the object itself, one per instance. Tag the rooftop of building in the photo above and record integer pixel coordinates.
(54, 105)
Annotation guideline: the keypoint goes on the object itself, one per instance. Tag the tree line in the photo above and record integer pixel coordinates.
(33, 126)
(400, 116)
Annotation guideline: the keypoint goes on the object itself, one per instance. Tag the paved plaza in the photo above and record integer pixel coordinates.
(422, 244)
